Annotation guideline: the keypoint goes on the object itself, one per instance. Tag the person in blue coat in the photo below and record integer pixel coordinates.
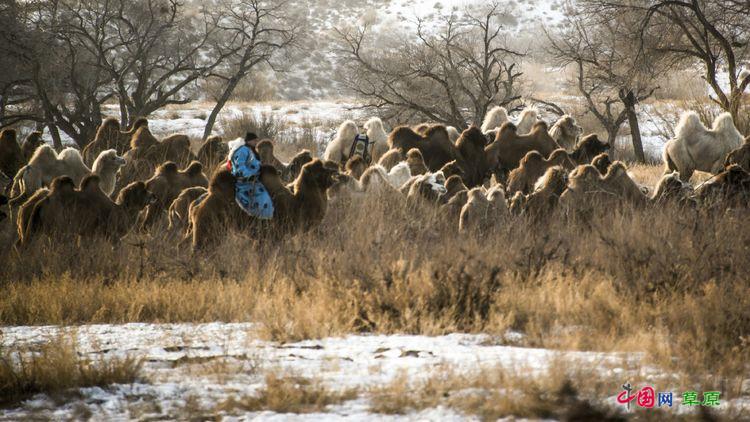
(250, 193)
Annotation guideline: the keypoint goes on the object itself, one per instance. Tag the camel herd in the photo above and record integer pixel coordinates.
(129, 180)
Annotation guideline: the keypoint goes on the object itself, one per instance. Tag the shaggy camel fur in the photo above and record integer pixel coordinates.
(483, 210)
(300, 209)
(427, 188)
(451, 210)
(378, 137)
(293, 169)
(602, 163)
(146, 154)
(435, 145)
(214, 214)
(11, 156)
(59, 197)
(565, 132)
(532, 167)
(587, 187)
(452, 169)
(548, 190)
(30, 144)
(65, 212)
(46, 165)
(175, 148)
(166, 185)
(469, 152)
(495, 118)
(303, 207)
(338, 149)
(213, 152)
(453, 185)
(266, 155)
(391, 158)
(472, 156)
(671, 190)
(179, 210)
(730, 188)
(373, 180)
(740, 156)
(506, 152)
(109, 136)
(106, 166)
(376, 176)
(623, 185)
(415, 161)
(498, 116)
(355, 167)
(695, 147)
(588, 148)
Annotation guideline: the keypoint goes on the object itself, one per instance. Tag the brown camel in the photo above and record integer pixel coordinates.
(166, 185)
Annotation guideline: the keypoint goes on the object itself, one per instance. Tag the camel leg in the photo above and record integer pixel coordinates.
(686, 174)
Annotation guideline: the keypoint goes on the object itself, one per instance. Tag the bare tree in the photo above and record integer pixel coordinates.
(452, 74)
(251, 33)
(59, 74)
(611, 75)
(17, 97)
(152, 50)
(715, 34)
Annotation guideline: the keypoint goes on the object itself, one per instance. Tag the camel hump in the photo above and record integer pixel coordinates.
(44, 153)
(194, 169)
(71, 156)
(688, 125)
(90, 183)
(724, 122)
(167, 168)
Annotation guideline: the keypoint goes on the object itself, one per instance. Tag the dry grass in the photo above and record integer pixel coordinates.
(265, 125)
(565, 391)
(56, 368)
(496, 392)
(665, 281)
(288, 394)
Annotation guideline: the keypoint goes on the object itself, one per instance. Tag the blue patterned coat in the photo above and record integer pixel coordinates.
(250, 193)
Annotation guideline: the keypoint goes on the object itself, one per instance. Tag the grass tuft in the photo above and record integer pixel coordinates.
(57, 368)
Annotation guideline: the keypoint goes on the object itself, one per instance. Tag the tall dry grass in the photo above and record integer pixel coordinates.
(284, 393)
(265, 125)
(667, 281)
(57, 368)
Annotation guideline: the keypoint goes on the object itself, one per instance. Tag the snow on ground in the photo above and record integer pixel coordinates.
(179, 359)
(321, 118)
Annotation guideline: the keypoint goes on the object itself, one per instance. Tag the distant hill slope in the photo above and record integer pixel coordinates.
(310, 73)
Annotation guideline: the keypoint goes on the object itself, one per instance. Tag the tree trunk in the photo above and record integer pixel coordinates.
(612, 131)
(629, 100)
(124, 121)
(56, 141)
(220, 103)
(635, 133)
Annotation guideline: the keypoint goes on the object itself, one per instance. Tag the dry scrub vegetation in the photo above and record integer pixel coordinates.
(671, 282)
(56, 368)
(283, 393)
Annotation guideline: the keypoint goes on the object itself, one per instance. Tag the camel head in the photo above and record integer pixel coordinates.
(317, 174)
(135, 196)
